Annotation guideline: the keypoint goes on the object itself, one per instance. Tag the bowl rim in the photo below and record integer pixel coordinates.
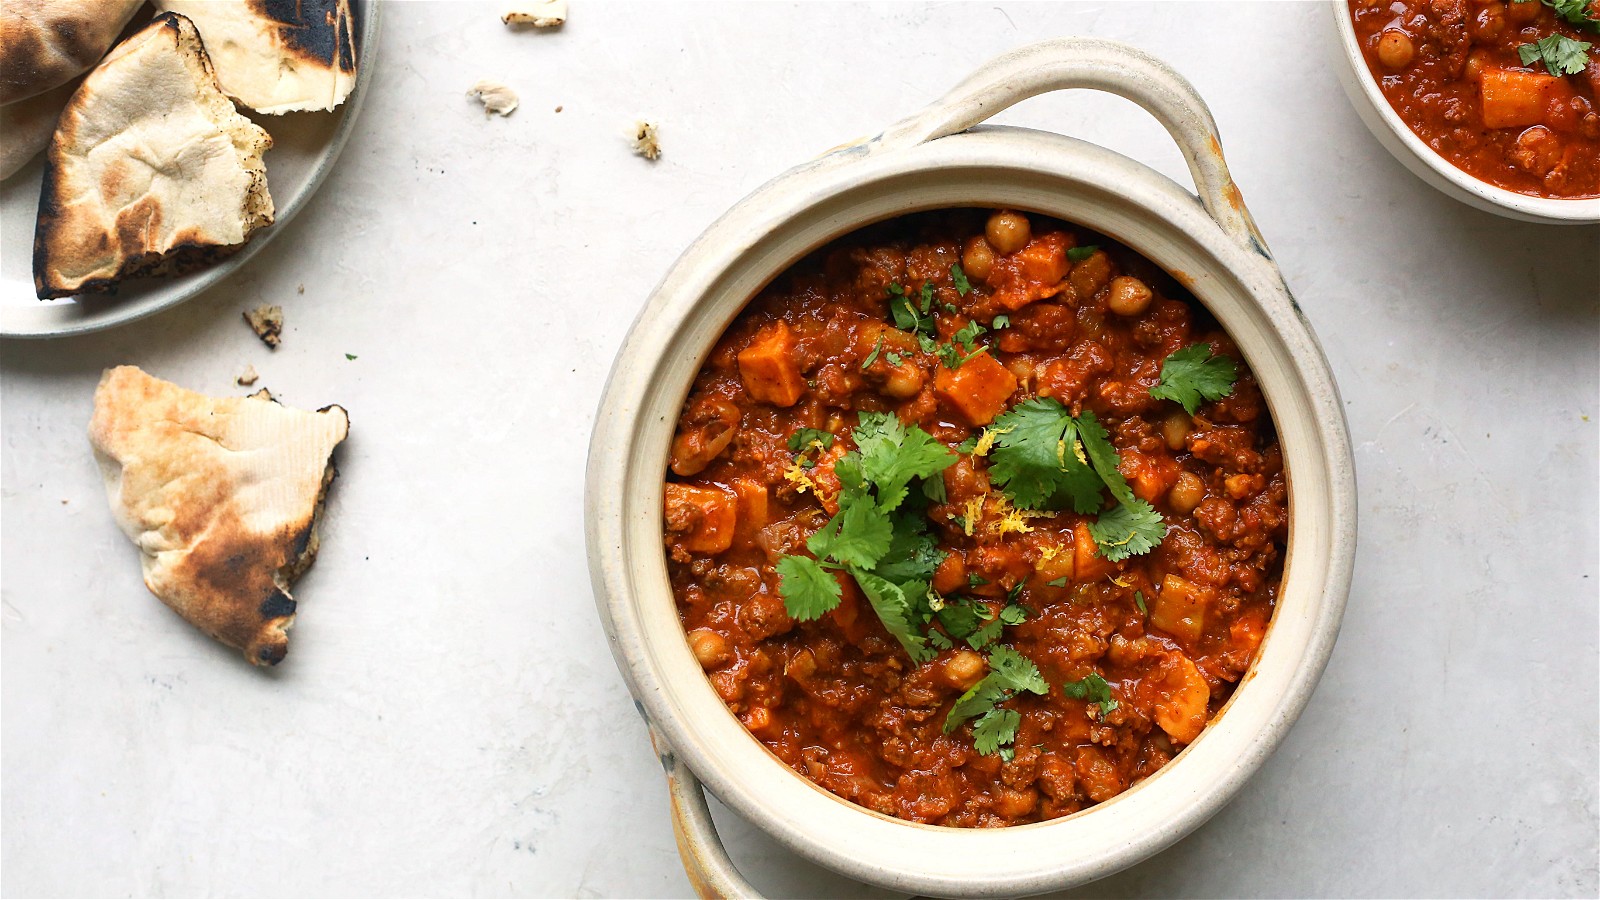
(1427, 163)
(697, 283)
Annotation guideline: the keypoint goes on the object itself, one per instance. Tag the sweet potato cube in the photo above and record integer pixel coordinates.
(978, 390)
(1179, 608)
(701, 520)
(1087, 563)
(1513, 99)
(768, 368)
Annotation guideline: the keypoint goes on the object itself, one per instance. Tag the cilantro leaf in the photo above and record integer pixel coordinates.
(999, 322)
(960, 620)
(1058, 582)
(1015, 672)
(859, 535)
(1128, 529)
(808, 590)
(1079, 254)
(1103, 456)
(892, 602)
(805, 437)
(1574, 11)
(967, 335)
(1092, 688)
(979, 699)
(913, 553)
(987, 634)
(1194, 374)
(1560, 54)
(959, 277)
(1014, 615)
(1138, 600)
(1035, 457)
(994, 729)
(892, 455)
(873, 356)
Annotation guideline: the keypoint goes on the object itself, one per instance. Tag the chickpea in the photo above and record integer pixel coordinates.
(1187, 493)
(1522, 12)
(1007, 231)
(1473, 70)
(1175, 429)
(1489, 22)
(710, 648)
(977, 260)
(1395, 49)
(904, 380)
(1129, 296)
(964, 669)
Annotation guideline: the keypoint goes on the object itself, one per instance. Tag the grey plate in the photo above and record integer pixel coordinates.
(304, 149)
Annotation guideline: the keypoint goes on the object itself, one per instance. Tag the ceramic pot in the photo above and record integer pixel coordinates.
(939, 158)
(1413, 153)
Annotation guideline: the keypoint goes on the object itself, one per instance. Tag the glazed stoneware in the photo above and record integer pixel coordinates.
(305, 147)
(1398, 138)
(942, 157)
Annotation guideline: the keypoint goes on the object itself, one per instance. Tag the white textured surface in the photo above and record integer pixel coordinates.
(449, 720)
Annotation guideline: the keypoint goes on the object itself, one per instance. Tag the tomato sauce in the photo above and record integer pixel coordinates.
(1452, 71)
(1171, 631)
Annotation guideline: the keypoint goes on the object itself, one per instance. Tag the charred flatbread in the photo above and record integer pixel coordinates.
(151, 170)
(45, 43)
(278, 56)
(221, 496)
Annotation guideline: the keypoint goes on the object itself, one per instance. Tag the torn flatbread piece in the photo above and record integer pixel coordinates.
(495, 97)
(537, 13)
(46, 43)
(221, 496)
(26, 127)
(151, 171)
(278, 56)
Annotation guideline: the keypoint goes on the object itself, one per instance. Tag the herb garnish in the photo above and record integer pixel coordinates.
(886, 550)
(1010, 673)
(1079, 254)
(1574, 11)
(1044, 457)
(801, 440)
(1560, 54)
(873, 356)
(959, 277)
(1092, 688)
(1193, 374)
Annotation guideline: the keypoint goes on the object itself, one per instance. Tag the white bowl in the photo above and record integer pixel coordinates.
(938, 159)
(1413, 153)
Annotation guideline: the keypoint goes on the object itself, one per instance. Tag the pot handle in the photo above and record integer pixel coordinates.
(1101, 65)
(711, 873)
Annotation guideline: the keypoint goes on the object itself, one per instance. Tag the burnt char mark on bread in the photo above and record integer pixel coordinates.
(311, 29)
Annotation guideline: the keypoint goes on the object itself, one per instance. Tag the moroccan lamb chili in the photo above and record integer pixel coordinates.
(975, 519)
(1508, 91)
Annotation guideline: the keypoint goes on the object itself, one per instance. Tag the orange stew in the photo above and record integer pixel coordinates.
(1007, 659)
(1455, 72)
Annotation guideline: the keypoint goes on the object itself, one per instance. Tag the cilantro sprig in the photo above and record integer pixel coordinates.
(1092, 688)
(1192, 375)
(1575, 11)
(1560, 54)
(886, 548)
(1046, 458)
(1010, 674)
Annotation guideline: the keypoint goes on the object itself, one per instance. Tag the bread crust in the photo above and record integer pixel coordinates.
(151, 170)
(222, 496)
(45, 43)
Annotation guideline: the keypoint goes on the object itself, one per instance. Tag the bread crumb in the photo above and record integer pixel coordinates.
(267, 322)
(537, 13)
(247, 377)
(263, 394)
(299, 289)
(646, 142)
(495, 97)
(558, 109)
